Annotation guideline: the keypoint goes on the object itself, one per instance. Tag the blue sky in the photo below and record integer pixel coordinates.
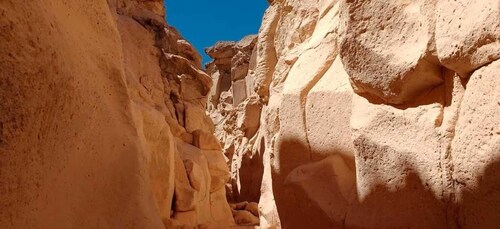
(204, 22)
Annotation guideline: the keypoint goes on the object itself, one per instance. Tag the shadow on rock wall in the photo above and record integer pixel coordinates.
(323, 194)
(479, 207)
(251, 172)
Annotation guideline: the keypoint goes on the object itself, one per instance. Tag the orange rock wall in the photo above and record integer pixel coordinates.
(99, 103)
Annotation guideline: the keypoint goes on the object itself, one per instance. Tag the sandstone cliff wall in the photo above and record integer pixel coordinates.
(338, 114)
(369, 114)
(102, 120)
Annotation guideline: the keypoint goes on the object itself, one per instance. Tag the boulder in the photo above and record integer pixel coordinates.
(476, 150)
(245, 218)
(467, 34)
(222, 50)
(373, 56)
(253, 208)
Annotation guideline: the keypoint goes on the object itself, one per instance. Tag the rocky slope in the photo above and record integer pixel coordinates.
(102, 121)
(364, 114)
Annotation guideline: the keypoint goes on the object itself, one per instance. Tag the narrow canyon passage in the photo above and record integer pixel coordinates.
(336, 114)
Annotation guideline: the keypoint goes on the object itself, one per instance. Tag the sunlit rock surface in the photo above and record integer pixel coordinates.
(371, 114)
(337, 114)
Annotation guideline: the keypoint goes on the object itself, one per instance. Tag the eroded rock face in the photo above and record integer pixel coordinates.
(103, 120)
(381, 64)
(476, 148)
(348, 114)
(467, 34)
(368, 111)
(236, 115)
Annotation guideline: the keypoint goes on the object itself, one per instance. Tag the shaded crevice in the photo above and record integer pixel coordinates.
(303, 97)
(447, 166)
(449, 157)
